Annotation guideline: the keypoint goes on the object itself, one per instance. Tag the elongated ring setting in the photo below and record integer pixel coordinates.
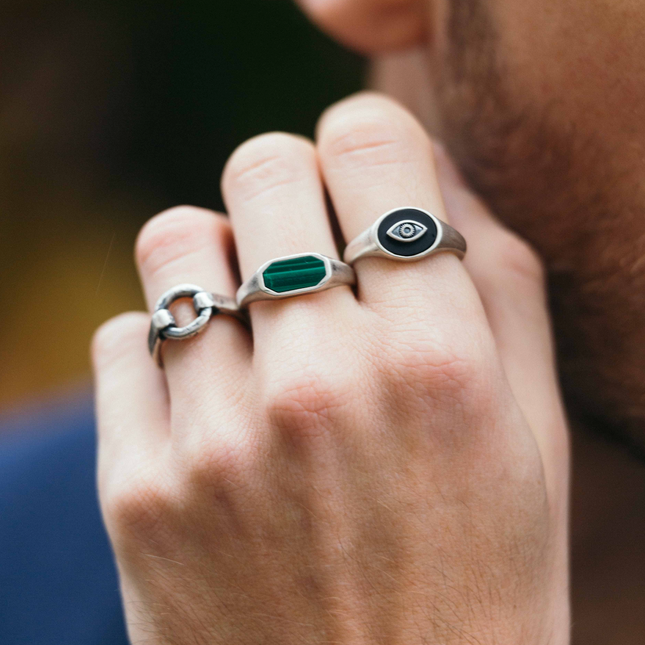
(294, 275)
(163, 325)
(406, 234)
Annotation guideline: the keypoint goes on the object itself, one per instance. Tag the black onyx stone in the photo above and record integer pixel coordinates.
(403, 248)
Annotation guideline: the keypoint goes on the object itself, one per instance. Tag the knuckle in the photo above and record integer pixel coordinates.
(440, 370)
(436, 367)
(175, 233)
(117, 336)
(304, 404)
(449, 388)
(136, 507)
(216, 461)
(266, 162)
(369, 130)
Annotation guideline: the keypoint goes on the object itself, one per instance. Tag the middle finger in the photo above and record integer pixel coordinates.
(276, 203)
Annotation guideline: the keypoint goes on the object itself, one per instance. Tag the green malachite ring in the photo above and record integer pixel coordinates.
(295, 275)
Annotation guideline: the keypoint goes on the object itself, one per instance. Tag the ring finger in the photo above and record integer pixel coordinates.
(193, 245)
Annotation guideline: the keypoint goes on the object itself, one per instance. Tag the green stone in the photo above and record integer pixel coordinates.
(296, 273)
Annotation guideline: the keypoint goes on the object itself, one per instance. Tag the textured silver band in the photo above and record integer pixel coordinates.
(368, 244)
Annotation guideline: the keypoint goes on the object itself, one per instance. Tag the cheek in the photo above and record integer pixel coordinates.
(542, 107)
(583, 59)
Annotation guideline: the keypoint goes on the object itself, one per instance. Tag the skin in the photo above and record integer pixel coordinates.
(382, 466)
(541, 102)
(541, 105)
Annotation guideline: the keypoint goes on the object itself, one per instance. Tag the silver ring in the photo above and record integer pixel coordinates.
(206, 305)
(406, 234)
(294, 275)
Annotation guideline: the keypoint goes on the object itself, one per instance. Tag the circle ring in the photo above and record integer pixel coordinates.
(163, 325)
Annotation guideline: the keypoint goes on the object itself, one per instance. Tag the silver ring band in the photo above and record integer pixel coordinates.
(294, 275)
(406, 234)
(163, 325)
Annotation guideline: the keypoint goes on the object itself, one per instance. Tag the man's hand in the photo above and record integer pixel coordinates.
(385, 466)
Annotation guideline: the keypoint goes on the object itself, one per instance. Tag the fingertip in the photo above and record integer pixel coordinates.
(368, 27)
(367, 104)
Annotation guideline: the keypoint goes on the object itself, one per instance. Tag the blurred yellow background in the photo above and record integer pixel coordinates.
(109, 113)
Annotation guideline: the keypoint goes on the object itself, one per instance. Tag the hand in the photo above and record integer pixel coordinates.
(388, 466)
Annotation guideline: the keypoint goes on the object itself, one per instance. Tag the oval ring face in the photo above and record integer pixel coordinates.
(407, 232)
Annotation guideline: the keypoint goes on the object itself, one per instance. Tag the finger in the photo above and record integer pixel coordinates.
(376, 157)
(131, 397)
(509, 278)
(274, 195)
(192, 245)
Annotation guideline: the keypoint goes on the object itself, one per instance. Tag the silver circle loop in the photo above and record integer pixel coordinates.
(163, 324)
(204, 313)
(206, 305)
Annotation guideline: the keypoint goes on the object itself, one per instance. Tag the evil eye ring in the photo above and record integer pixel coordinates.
(406, 234)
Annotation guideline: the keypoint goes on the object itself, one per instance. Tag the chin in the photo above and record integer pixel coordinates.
(553, 177)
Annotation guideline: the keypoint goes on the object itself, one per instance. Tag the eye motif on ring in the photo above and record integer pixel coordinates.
(407, 231)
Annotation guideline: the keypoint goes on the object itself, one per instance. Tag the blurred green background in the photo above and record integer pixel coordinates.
(111, 111)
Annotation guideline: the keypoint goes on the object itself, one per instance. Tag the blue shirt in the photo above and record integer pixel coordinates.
(58, 582)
